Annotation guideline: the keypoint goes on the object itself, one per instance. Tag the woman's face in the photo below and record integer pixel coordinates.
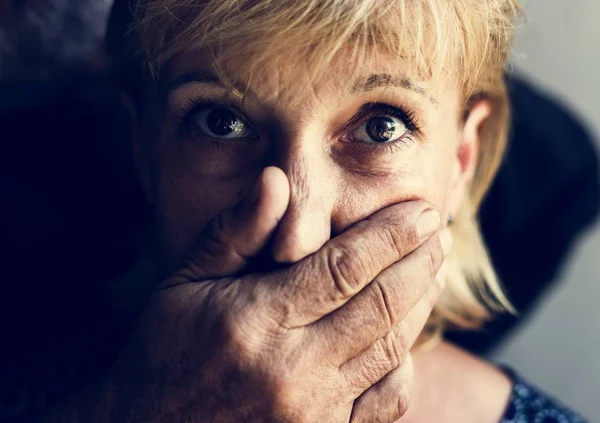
(349, 146)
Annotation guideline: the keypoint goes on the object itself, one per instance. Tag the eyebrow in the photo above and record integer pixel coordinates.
(370, 83)
(203, 77)
(387, 80)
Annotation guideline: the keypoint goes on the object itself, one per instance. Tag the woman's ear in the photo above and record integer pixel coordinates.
(139, 149)
(467, 152)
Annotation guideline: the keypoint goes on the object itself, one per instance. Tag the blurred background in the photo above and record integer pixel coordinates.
(71, 201)
(557, 347)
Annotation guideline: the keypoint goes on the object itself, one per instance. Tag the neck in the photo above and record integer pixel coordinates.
(452, 385)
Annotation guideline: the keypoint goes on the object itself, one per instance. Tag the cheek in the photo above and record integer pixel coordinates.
(423, 176)
(189, 192)
(183, 208)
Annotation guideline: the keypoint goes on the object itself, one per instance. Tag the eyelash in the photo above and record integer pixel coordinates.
(371, 110)
(194, 105)
(367, 111)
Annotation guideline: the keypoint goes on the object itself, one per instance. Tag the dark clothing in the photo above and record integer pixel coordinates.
(528, 405)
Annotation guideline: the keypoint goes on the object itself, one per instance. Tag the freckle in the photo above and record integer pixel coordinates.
(240, 193)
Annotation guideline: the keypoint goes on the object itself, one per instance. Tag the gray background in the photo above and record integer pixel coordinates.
(558, 49)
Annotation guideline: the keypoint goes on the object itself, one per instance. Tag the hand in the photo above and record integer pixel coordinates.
(299, 344)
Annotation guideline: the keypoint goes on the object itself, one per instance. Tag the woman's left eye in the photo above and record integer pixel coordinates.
(380, 130)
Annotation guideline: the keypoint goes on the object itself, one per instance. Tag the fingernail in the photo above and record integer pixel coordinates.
(428, 223)
(446, 240)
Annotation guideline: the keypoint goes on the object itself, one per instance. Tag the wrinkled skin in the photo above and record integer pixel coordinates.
(322, 330)
(301, 344)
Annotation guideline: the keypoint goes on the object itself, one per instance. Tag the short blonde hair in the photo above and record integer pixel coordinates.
(468, 39)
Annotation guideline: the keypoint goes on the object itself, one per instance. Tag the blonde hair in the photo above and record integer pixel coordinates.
(468, 39)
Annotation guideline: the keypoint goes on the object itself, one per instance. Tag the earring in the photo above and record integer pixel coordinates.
(451, 219)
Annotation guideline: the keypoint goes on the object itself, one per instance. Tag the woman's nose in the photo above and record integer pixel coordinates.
(306, 226)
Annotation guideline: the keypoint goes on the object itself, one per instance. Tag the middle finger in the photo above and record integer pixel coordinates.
(378, 308)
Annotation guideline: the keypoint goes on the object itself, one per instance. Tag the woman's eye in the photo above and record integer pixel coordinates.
(218, 122)
(380, 130)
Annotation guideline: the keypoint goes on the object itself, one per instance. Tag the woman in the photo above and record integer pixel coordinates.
(311, 165)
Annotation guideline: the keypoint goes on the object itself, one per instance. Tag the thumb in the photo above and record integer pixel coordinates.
(239, 233)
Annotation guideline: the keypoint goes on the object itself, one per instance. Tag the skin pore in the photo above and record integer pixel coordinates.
(349, 147)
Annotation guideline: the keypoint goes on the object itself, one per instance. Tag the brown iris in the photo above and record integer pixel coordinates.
(222, 122)
(381, 129)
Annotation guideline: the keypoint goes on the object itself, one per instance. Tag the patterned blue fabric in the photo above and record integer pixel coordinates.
(528, 405)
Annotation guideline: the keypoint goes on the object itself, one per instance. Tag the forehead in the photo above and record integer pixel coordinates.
(291, 76)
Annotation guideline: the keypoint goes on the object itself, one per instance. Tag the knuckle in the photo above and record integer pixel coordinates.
(215, 244)
(251, 337)
(432, 257)
(402, 237)
(400, 227)
(384, 305)
(232, 331)
(392, 350)
(240, 338)
(346, 268)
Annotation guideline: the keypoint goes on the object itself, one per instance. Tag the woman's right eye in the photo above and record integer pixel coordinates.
(220, 123)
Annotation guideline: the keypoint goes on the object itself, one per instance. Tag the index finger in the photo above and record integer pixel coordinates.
(326, 280)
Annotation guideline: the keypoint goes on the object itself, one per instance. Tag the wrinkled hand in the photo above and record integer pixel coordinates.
(307, 343)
